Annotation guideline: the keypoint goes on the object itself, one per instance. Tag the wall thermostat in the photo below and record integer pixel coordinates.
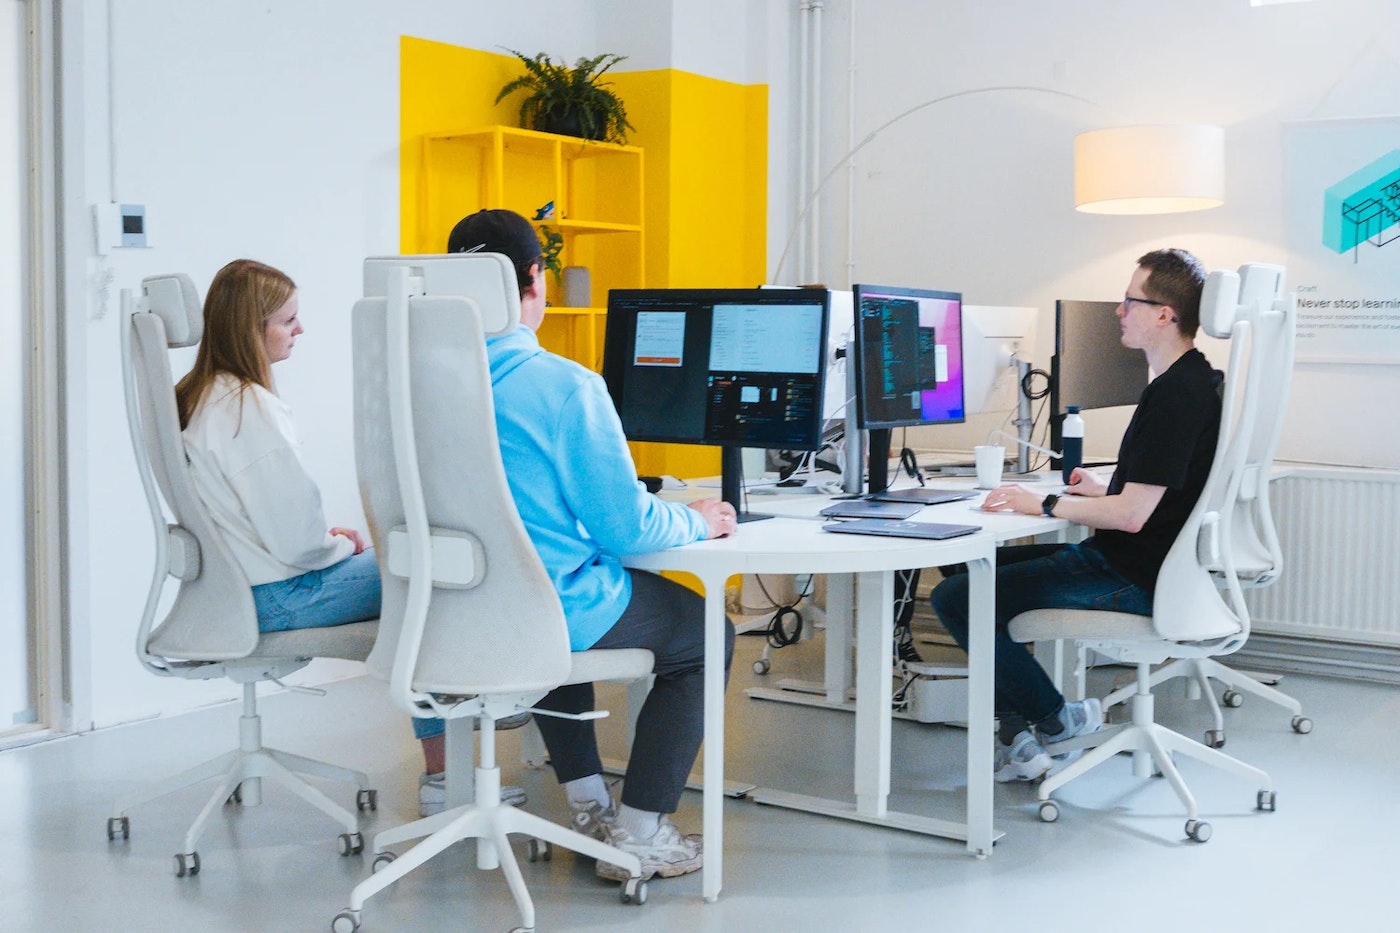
(120, 226)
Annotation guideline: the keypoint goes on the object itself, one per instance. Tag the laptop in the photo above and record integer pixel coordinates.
(868, 508)
(902, 529)
(924, 495)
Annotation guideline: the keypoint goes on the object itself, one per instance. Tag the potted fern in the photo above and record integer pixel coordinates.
(569, 101)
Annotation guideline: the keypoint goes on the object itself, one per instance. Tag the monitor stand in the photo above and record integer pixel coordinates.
(731, 483)
(878, 457)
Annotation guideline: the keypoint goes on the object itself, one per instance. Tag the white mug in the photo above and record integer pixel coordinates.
(989, 459)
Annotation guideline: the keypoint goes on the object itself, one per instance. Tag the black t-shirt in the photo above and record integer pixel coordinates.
(1170, 442)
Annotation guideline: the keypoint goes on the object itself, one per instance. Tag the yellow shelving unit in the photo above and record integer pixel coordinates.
(597, 193)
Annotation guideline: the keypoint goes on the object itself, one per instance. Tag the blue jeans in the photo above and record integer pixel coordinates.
(1037, 576)
(341, 593)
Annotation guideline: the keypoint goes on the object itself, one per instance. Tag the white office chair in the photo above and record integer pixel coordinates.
(472, 625)
(1199, 610)
(211, 629)
(1259, 557)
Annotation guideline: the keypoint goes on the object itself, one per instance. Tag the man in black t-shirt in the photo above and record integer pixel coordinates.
(1163, 463)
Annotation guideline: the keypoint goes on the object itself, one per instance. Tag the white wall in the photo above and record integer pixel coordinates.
(266, 129)
(975, 193)
(14, 632)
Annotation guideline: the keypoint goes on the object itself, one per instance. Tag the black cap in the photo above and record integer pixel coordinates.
(497, 231)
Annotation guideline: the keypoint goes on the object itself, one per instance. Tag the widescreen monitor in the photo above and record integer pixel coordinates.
(909, 365)
(729, 367)
(1091, 368)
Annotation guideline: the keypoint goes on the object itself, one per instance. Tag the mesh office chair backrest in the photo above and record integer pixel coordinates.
(212, 617)
(1199, 595)
(504, 630)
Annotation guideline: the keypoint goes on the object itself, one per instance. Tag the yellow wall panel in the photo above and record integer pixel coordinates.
(706, 197)
(443, 87)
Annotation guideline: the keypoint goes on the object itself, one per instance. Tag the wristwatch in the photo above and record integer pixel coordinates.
(1047, 505)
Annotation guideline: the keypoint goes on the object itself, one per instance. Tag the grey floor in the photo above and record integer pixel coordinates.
(1117, 858)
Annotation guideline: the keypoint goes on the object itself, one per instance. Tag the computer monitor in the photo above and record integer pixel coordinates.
(730, 367)
(909, 365)
(995, 340)
(1091, 368)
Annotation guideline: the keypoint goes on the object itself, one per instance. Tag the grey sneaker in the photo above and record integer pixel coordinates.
(667, 853)
(593, 819)
(432, 794)
(1078, 718)
(1023, 760)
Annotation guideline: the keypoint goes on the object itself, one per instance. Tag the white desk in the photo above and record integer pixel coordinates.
(861, 571)
(835, 689)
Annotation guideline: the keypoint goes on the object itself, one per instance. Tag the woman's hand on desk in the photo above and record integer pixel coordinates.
(719, 516)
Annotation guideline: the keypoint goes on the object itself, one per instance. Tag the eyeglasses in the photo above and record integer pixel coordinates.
(1128, 302)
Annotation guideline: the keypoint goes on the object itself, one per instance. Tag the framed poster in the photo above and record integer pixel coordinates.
(1342, 215)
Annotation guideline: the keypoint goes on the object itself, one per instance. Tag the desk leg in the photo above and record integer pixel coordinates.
(874, 693)
(839, 603)
(980, 712)
(713, 792)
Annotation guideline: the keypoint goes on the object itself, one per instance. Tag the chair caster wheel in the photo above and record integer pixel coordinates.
(634, 891)
(1302, 725)
(186, 864)
(118, 824)
(762, 666)
(350, 843)
(381, 861)
(366, 799)
(347, 921)
(1215, 738)
(538, 850)
(1232, 698)
(1198, 830)
(1049, 811)
(1266, 801)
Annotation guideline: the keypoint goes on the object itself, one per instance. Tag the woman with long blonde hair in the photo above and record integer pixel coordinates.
(246, 461)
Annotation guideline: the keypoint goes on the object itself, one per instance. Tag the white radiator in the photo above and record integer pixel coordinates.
(1340, 532)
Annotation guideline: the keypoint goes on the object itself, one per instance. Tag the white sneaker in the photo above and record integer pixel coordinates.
(1023, 760)
(593, 819)
(667, 853)
(432, 794)
(1079, 717)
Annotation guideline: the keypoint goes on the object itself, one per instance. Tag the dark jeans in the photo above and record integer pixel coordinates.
(1037, 576)
(669, 620)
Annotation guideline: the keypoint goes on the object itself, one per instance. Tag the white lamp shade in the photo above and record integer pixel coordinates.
(1157, 169)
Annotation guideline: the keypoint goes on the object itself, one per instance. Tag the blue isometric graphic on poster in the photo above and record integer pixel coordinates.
(1344, 238)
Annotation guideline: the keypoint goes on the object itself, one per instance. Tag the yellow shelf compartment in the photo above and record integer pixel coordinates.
(576, 333)
(595, 187)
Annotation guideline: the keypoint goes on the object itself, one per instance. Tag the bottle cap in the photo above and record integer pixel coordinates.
(1072, 409)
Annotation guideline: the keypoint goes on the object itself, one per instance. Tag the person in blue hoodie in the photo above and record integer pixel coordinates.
(576, 488)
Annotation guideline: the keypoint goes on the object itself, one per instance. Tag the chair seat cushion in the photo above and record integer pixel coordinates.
(351, 642)
(1049, 624)
(610, 664)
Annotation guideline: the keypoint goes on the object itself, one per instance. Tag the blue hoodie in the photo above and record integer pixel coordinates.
(574, 482)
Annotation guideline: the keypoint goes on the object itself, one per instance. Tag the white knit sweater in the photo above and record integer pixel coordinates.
(247, 469)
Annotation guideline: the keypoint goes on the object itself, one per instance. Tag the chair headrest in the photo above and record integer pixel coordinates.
(486, 278)
(1228, 294)
(174, 299)
(1220, 300)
